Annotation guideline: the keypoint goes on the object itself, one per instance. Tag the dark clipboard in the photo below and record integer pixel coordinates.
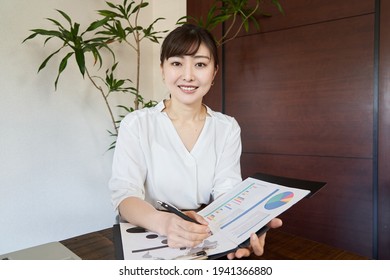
(118, 242)
(312, 186)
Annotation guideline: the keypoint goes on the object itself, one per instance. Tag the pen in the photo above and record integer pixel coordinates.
(176, 211)
(201, 255)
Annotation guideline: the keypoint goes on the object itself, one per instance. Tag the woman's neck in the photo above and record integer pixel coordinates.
(187, 120)
(181, 112)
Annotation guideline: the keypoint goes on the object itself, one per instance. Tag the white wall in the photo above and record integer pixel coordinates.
(54, 167)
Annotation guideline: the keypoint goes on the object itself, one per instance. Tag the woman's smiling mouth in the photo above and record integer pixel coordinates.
(188, 88)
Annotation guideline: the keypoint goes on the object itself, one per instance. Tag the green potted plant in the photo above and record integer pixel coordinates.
(118, 24)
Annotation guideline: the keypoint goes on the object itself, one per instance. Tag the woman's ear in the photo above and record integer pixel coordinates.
(162, 72)
(215, 71)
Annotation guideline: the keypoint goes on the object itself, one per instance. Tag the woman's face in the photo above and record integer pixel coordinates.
(189, 77)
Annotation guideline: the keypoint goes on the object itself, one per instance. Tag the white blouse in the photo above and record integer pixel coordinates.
(151, 162)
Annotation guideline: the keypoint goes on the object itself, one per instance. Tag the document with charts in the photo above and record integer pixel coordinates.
(232, 218)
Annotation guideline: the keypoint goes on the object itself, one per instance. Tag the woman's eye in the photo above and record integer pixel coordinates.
(175, 63)
(200, 64)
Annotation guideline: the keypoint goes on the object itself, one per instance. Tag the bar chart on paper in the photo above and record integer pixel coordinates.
(242, 211)
(249, 207)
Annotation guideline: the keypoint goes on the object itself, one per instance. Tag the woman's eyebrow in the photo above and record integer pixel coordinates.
(194, 56)
(202, 56)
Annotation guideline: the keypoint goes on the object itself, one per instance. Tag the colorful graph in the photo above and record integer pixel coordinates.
(225, 209)
(278, 200)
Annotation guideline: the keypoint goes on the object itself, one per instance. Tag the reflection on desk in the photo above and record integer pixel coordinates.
(280, 245)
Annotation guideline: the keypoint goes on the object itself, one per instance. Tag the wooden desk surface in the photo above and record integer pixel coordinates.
(99, 245)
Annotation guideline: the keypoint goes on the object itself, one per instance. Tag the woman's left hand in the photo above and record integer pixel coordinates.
(257, 243)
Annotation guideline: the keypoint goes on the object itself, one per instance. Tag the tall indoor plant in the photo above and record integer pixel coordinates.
(118, 24)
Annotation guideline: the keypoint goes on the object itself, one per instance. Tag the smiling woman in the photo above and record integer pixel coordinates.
(180, 151)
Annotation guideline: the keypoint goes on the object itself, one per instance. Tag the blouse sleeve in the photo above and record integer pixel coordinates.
(128, 167)
(228, 170)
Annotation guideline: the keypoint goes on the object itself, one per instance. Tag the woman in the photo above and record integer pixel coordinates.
(180, 151)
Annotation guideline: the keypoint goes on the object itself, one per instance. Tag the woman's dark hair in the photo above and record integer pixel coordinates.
(185, 40)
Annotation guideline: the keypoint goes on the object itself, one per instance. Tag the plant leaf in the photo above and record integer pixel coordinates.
(55, 22)
(75, 30)
(63, 64)
(43, 65)
(80, 60)
(30, 37)
(111, 5)
(108, 13)
(65, 16)
(44, 32)
(140, 6)
(96, 24)
(277, 4)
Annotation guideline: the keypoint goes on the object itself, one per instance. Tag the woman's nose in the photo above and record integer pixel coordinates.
(188, 73)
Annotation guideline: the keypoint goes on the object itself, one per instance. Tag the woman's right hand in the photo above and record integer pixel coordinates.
(181, 233)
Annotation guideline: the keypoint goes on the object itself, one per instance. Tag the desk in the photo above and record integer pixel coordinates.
(280, 245)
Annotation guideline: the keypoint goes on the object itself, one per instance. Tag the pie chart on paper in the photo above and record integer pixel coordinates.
(278, 200)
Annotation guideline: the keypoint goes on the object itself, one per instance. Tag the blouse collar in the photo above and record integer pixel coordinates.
(161, 106)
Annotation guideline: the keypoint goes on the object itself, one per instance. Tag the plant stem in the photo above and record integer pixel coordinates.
(222, 40)
(138, 50)
(105, 97)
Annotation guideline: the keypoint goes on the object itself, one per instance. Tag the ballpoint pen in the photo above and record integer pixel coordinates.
(174, 210)
(201, 255)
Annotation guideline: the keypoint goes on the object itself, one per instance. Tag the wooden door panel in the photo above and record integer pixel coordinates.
(304, 91)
